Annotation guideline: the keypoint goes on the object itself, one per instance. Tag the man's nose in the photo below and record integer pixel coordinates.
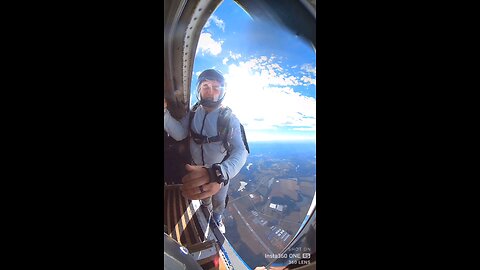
(208, 88)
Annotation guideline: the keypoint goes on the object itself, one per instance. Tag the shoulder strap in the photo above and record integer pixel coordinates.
(223, 126)
(244, 138)
(223, 122)
(192, 114)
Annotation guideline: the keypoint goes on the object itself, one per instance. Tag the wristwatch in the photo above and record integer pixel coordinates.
(216, 174)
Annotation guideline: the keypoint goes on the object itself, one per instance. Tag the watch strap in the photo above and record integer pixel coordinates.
(220, 178)
(212, 175)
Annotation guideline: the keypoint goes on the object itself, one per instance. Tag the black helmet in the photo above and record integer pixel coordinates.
(212, 75)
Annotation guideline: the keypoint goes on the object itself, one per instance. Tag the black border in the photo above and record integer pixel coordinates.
(87, 130)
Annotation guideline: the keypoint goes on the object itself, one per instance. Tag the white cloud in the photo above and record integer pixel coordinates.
(272, 73)
(309, 80)
(309, 68)
(311, 72)
(225, 60)
(207, 44)
(260, 94)
(217, 21)
(235, 56)
(277, 66)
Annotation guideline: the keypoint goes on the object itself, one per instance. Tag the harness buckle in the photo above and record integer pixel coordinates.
(197, 140)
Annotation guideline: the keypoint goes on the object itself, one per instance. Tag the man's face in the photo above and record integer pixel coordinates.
(210, 90)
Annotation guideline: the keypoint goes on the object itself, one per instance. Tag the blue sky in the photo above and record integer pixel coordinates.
(270, 74)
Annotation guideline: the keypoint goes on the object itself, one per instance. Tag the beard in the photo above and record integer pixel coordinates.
(212, 99)
(209, 103)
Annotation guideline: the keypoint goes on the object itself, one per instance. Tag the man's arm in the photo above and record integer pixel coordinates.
(238, 154)
(177, 129)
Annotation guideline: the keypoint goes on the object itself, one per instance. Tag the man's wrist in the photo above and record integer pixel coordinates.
(212, 175)
(218, 175)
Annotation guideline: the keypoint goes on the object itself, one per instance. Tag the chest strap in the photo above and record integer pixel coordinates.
(201, 139)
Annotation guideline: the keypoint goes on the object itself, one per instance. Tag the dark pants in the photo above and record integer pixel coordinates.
(175, 156)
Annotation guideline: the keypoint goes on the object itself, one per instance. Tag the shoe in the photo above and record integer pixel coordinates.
(221, 227)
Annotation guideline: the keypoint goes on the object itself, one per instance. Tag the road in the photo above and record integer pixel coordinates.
(253, 231)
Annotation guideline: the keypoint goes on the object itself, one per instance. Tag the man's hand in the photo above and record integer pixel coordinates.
(164, 104)
(198, 176)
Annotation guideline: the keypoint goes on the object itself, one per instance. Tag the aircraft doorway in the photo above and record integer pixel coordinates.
(270, 74)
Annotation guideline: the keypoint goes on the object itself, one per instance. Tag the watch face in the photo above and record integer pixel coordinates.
(218, 173)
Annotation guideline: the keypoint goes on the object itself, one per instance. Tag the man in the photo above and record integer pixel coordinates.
(215, 159)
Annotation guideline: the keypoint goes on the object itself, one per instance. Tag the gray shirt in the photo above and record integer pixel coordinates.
(210, 153)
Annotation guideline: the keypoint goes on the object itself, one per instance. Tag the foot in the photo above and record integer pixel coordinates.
(221, 227)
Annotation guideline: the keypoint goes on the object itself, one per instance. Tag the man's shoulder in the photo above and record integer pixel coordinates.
(224, 113)
(228, 112)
